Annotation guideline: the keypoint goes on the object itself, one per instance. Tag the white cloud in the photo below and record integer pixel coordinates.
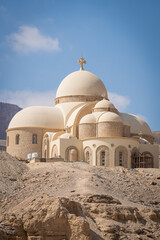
(120, 102)
(28, 98)
(29, 39)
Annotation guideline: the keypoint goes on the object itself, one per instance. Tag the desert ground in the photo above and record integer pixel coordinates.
(76, 201)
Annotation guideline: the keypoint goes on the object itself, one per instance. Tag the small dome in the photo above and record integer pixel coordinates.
(67, 136)
(110, 117)
(138, 125)
(104, 104)
(125, 122)
(81, 83)
(89, 118)
(43, 117)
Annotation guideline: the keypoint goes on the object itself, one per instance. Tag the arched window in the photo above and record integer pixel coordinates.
(17, 139)
(71, 154)
(144, 160)
(120, 159)
(34, 139)
(121, 156)
(103, 158)
(87, 156)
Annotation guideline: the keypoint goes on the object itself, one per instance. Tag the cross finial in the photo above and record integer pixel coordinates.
(81, 63)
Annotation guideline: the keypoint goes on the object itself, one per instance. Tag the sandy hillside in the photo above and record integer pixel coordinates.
(77, 201)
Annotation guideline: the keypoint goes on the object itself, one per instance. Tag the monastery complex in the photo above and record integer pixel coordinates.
(82, 126)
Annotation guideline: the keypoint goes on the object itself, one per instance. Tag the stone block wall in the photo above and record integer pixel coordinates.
(78, 98)
(110, 129)
(25, 146)
(87, 130)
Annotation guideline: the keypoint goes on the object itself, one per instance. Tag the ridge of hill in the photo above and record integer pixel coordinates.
(73, 200)
(7, 111)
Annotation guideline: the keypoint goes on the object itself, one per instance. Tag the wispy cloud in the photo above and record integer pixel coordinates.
(2, 8)
(28, 98)
(29, 39)
(120, 102)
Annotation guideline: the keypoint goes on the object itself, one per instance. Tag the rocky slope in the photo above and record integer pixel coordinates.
(75, 201)
(7, 111)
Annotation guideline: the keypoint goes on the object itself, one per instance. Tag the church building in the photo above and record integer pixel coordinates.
(84, 125)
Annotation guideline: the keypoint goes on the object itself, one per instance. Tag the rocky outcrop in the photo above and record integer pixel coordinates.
(48, 218)
(88, 217)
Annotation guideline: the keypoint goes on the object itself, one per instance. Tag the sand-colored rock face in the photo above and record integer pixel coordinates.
(48, 218)
(75, 201)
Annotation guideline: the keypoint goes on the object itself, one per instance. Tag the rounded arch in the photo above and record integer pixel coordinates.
(148, 159)
(134, 157)
(71, 154)
(103, 156)
(142, 160)
(45, 146)
(88, 155)
(17, 139)
(121, 156)
(54, 151)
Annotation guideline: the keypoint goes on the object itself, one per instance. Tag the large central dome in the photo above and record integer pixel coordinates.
(81, 83)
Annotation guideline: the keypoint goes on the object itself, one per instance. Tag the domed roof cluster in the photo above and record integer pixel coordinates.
(79, 83)
(104, 115)
(105, 111)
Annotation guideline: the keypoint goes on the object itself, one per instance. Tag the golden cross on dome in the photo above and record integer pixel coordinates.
(81, 63)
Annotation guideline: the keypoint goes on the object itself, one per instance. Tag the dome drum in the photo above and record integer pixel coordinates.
(87, 130)
(110, 129)
(78, 98)
(126, 131)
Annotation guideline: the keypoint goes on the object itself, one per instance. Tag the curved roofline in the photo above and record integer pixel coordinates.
(81, 83)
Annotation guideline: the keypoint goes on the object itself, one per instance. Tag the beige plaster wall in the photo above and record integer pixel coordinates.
(25, 145)
(112, 143)
(126, 131)
(108, 129)
(87, 130)
(63, 144)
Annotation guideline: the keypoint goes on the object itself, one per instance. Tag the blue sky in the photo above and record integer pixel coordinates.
(41, 41)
